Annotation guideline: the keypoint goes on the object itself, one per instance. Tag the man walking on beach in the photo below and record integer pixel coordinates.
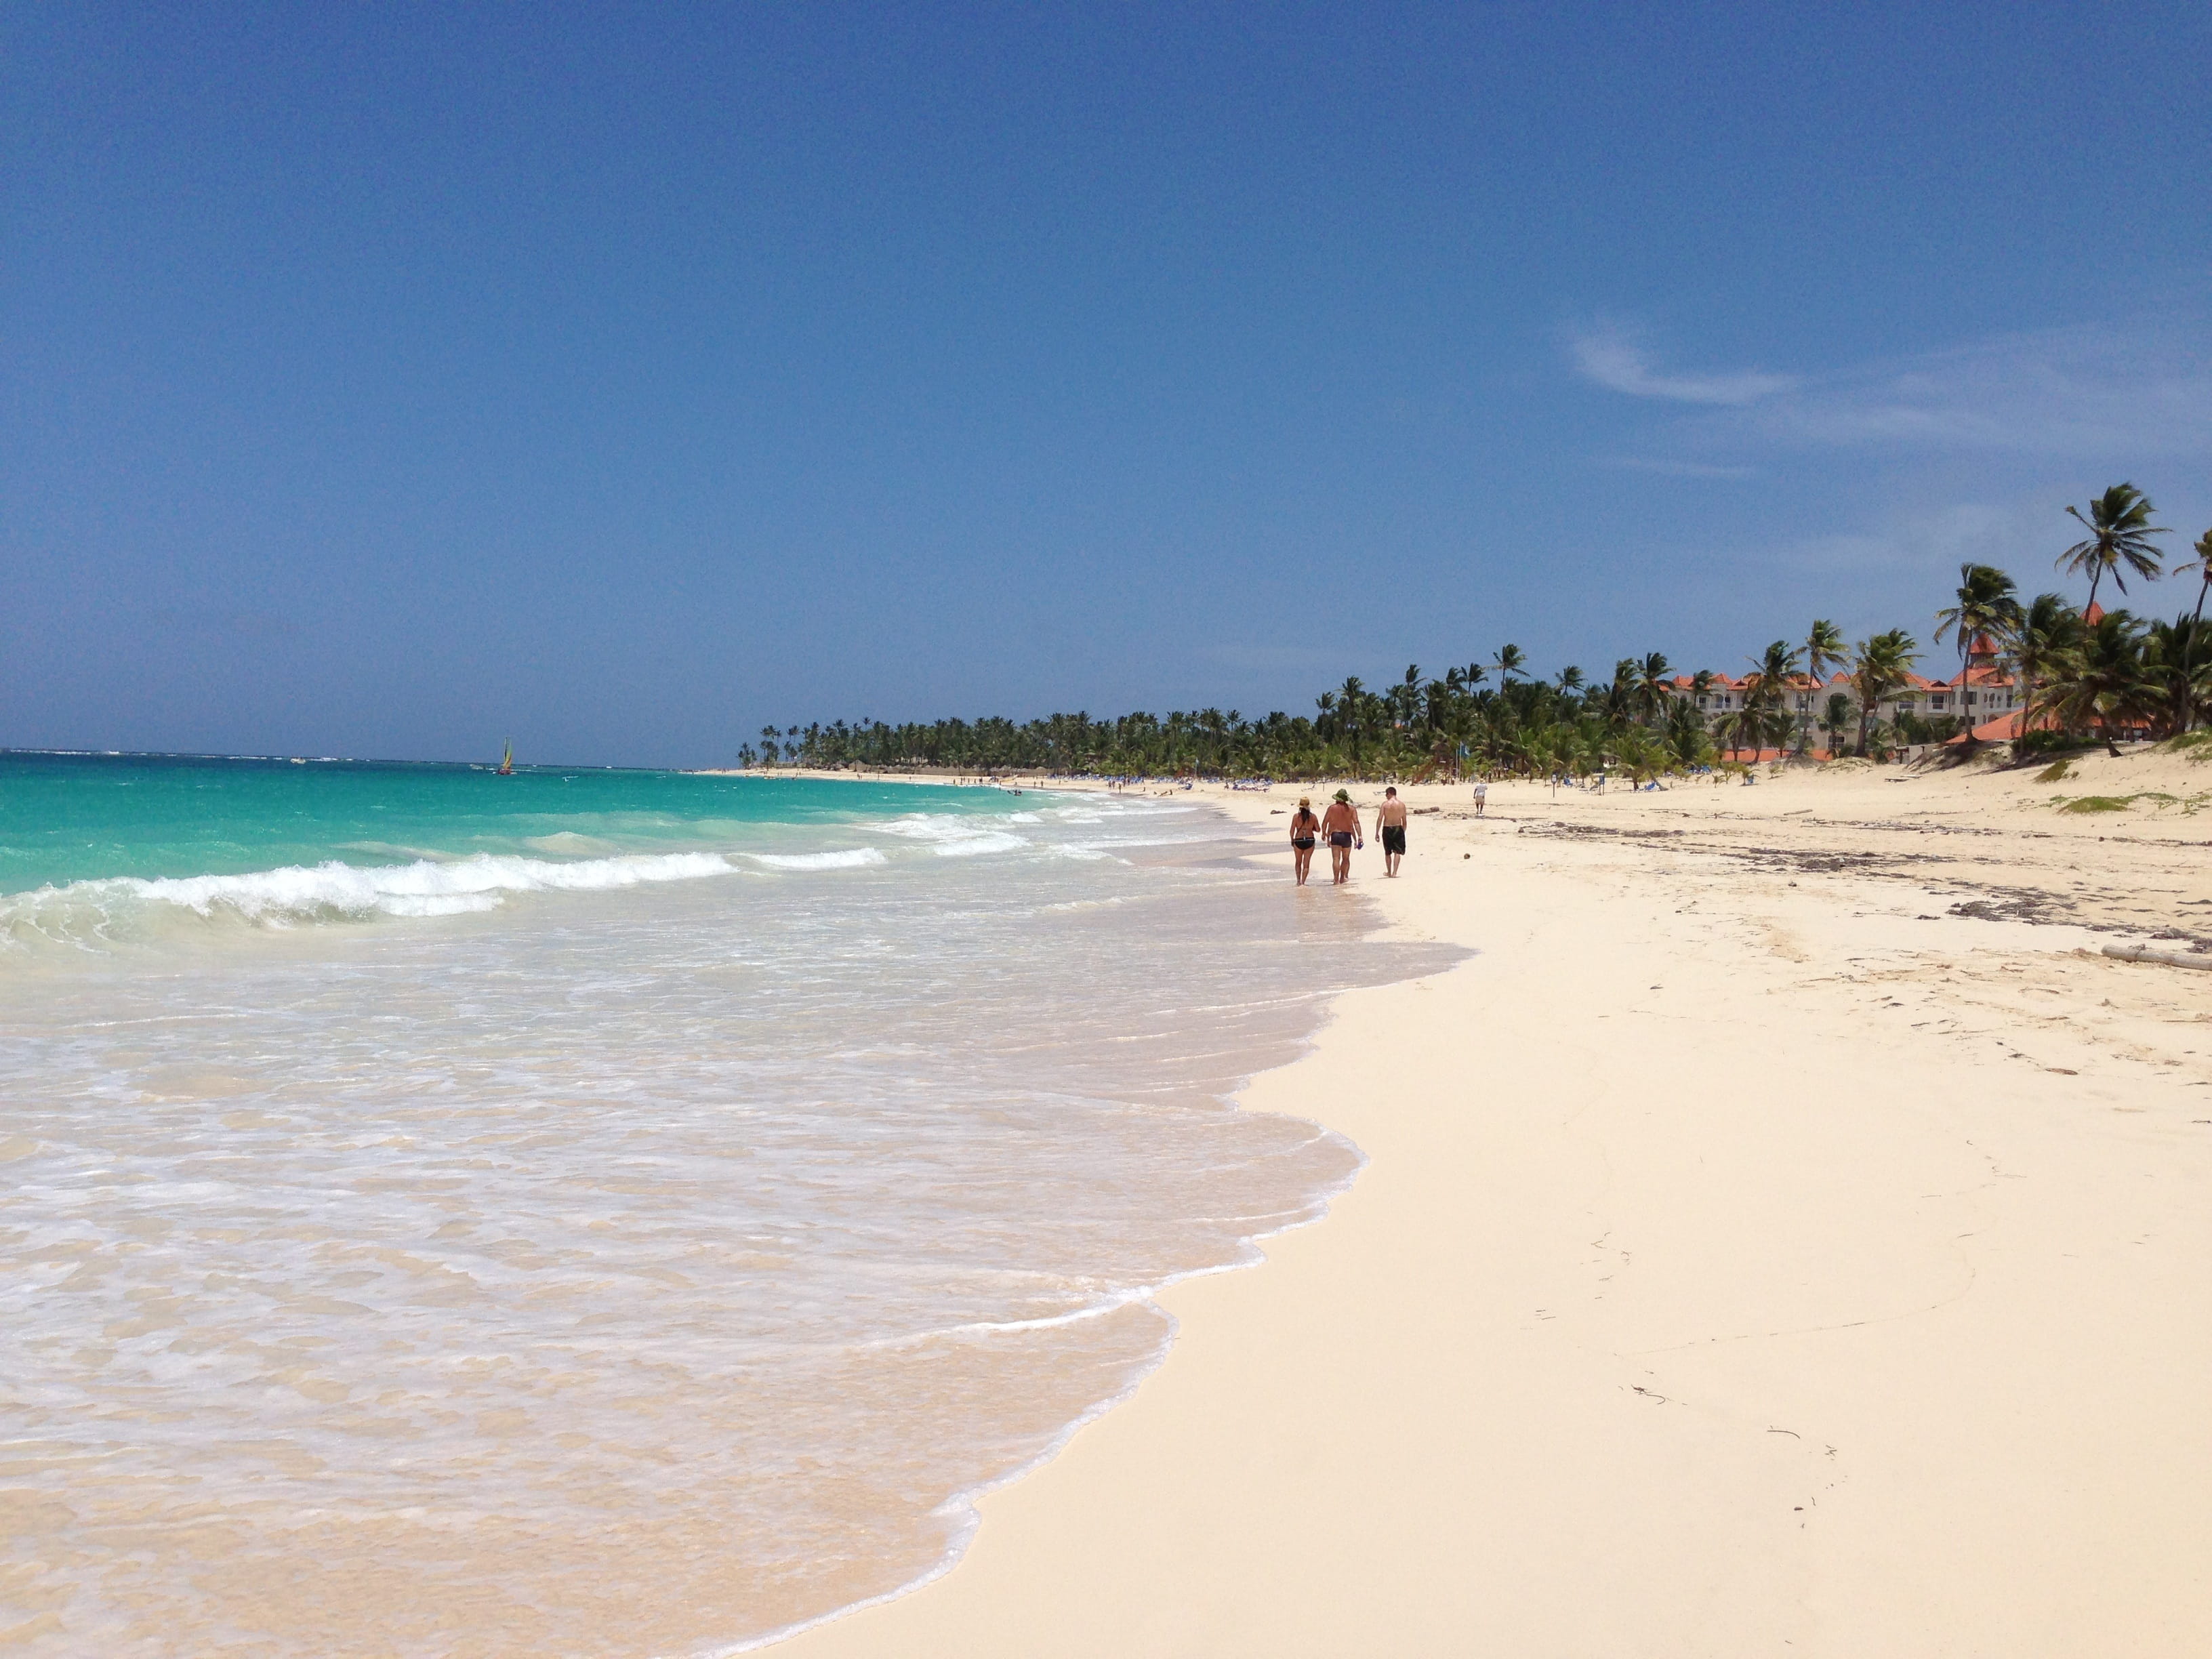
(1482, 795)
(1341, 825)
(1390, 829)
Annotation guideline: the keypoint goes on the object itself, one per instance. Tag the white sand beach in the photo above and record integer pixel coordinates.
(1787, 1233)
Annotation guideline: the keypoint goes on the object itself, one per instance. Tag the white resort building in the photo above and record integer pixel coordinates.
(1983, 692)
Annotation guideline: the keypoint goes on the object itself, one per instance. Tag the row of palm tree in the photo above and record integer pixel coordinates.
(2081, 672)
(2092, 671)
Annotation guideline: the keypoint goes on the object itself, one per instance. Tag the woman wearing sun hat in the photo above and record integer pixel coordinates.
(1341, 825)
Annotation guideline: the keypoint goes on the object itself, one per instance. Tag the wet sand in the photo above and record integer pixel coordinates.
(1788, 1233)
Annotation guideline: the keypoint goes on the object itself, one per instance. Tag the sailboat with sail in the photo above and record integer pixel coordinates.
(506, 761)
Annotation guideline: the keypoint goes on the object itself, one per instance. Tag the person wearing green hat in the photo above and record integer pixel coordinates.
(1340, 823)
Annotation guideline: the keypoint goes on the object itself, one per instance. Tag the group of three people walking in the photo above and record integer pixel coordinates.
(1340, 825)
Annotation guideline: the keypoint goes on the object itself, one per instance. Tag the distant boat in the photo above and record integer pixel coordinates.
(506, 761)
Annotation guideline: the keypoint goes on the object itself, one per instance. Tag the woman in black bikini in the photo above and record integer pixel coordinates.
(1305, 830)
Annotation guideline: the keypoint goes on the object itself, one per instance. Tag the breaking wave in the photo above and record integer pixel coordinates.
(334, 892)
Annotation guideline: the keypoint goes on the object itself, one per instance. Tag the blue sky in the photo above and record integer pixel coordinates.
(393, 380)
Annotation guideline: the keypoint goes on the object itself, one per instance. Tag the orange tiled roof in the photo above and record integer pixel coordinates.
(2005, 727)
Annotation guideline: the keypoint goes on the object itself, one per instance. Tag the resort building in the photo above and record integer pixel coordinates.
(1981, 694)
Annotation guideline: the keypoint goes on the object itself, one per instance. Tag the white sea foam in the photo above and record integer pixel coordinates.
(953, 837)
(853, 858)
(423, 888)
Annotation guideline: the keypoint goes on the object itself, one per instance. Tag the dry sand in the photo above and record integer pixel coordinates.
(1786, 1234)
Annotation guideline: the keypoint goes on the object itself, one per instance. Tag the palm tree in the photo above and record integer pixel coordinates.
(1686, 733)
(1509, 662)
(2120, 526)
(1652, 686)
(2170, 657)
(1824, 650)
(1766, 689)
(1987, 607)
(2203, 565)
(1739, 729)
(1834, 718)
(1405, 697)
(1879, 666)
(1571, 680)
(2104, 680)
(1351, 698)
(2048, 629)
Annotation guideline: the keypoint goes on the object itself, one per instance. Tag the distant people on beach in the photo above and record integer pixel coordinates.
(1481, 796)
(1305, 830)
(1340, 823)
(1390, 829)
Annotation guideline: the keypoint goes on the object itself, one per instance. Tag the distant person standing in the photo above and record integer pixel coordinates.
(1390, 829)
(1305, 830)
(1481, 796)
(1341, 825)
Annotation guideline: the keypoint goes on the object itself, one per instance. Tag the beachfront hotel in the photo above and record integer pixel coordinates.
(1984, 692)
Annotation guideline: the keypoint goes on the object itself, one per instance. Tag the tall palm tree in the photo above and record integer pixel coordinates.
(1878, 668)
(1824, 650)
(1511, 661)
(2120, 526)
(2202, 565)
(1987, 607)
(1406, 695)
(1571, 680)
(1652, 687)
(2048, 629)
(1352, 701)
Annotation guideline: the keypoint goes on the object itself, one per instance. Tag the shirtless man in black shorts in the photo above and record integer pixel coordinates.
(1341, 825)
(1390, 829)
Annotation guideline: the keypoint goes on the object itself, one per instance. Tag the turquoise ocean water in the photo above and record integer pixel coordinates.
(66, 819)
(597, 1214)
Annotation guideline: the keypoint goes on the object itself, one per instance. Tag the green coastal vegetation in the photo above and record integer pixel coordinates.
(2075, 675)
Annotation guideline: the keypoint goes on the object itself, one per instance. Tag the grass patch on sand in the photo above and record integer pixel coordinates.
(2117, 803)
(2195, 745)
(2054, 772)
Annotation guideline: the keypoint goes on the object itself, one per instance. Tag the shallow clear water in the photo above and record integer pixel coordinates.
(614, 1266)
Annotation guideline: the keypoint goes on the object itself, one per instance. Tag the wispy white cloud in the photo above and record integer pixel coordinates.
(2065, 407)
(1935, 541)
(2142, 389)
(1614, 357)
